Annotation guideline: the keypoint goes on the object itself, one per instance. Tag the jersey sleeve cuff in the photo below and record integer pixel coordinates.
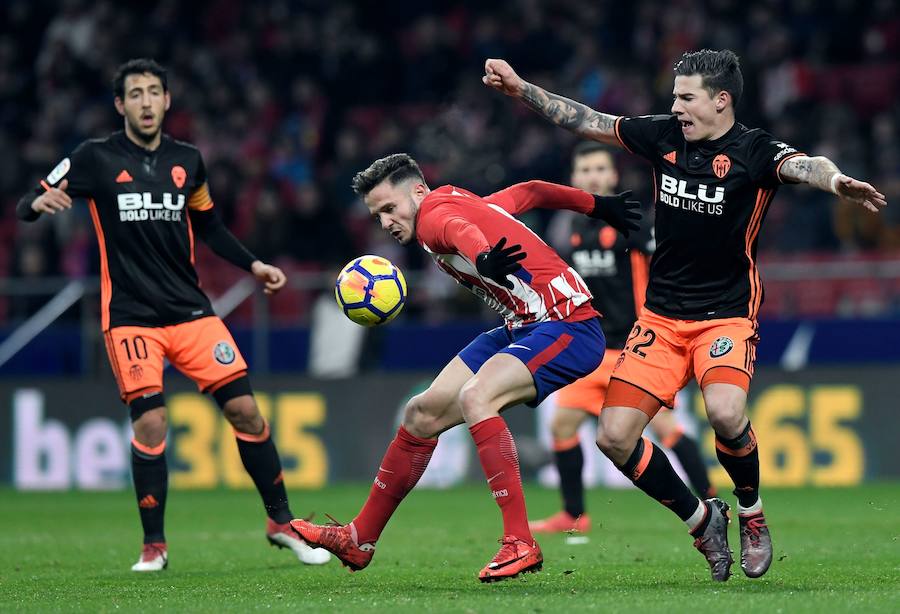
(780, 164)
(619, 135)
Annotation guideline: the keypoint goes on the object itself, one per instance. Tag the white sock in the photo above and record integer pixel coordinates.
(697, 517)
(753, 509)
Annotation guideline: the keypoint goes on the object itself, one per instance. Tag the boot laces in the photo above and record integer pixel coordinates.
(508, 549)
(753, 526)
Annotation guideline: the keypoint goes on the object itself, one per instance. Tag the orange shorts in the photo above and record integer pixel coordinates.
(588, 393)
(662, 354)
(201, 349)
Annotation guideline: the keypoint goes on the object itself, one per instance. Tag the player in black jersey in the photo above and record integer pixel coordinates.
(148, 195)
(713, 182)
(615, 269)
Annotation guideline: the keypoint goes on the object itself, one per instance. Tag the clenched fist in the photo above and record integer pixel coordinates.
(499, 75)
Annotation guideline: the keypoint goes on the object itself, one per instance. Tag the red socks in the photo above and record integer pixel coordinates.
(405, 461)
(402, 466)
(500, 463)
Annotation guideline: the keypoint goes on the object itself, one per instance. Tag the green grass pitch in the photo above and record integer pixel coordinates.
(836, 550)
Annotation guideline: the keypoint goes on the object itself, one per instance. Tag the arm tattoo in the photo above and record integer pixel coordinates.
(570, 115)
(816, 171)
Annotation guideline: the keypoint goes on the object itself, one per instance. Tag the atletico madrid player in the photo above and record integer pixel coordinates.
(551, 338)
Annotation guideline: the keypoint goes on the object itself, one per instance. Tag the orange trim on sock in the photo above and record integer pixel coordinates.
(254, 438)
(751, 445)
(645, 460)
(727, 375)
(561, 445)
(155, 451)
(674, 438)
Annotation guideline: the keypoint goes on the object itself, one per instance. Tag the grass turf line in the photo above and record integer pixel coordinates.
(836, 550)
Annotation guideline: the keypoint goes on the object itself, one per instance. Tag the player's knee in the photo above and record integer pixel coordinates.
(615, 445)
(243, 414)
(726, 414)
(563, 427)
(473, 402)
(616, 439)
(235, 399)
(663, 427)
(420, 418)
(150, 426)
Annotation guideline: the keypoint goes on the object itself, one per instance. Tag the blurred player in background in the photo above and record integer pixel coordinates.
(713, 181)
(615, 270)
(148, 195)
(552, 337)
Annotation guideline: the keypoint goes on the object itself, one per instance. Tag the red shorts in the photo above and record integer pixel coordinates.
(201, 349)
(662, 355)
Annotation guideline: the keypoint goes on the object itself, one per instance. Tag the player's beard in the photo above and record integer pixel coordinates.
(146, 137)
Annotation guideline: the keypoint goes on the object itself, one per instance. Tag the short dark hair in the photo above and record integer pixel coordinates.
(138, 66)
(396, 168)
(585, 148)
(721, 71)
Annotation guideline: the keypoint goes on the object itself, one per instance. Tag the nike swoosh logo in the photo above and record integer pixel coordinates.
(507, 563)
(380, 468)
(494, 477)
(516, 345)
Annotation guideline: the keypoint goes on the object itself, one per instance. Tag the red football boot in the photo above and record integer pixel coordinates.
(339, 540)
(515, 557)
(562, 522)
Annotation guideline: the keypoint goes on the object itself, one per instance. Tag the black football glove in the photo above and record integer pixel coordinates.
(499, 262)
(618, 211)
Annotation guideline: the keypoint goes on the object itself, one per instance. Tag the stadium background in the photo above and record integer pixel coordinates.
(287, 100)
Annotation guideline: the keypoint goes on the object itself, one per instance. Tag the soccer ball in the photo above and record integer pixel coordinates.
(370, 290)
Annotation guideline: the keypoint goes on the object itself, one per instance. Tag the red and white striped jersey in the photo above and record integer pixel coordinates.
(455, 225)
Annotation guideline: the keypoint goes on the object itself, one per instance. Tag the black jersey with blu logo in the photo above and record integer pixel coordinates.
(139, 202)
(614, 269)
(711, 199)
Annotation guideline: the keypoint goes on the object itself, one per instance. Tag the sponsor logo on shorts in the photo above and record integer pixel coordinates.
(500, 493)
(720, 347)
(224, 353)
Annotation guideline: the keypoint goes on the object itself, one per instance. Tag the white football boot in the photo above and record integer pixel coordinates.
(283, 536)
(154, 557)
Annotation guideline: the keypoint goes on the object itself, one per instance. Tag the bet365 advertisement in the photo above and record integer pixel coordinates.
(823, 427)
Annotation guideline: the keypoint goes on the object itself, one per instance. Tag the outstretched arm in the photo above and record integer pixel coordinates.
(212, 231)
(537, 194)
(822, 173)
(619, 211)
(574, 116)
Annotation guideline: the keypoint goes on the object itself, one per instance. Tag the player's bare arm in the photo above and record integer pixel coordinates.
(564, 112)
(53, 200)
(822, 173)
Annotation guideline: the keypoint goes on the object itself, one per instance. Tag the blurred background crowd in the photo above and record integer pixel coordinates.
(287, 100)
